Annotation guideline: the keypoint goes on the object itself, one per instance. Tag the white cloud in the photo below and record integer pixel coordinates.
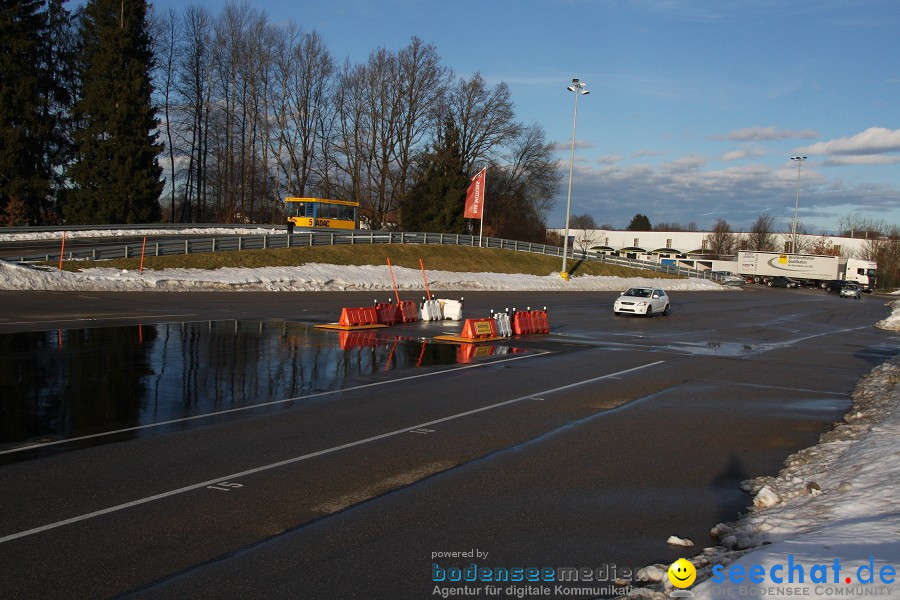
(567, 145)
(770, 133)
(743, 153)
(864, 159)
(874, 140)
(609, 159)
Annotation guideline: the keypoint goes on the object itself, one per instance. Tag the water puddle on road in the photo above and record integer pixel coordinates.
(79, 382)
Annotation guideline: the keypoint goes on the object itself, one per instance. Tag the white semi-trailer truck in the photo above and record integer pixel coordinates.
(810, 269)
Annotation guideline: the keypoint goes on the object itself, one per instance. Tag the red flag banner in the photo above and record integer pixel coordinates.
(475, 197)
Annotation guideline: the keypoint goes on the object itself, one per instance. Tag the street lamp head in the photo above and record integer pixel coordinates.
(584, 92)
(798, 158)
(571, 88)
(575, 80)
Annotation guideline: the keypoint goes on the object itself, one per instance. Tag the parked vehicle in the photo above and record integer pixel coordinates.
(782, 281)
(851, 289)
(808, 269)
(728, 278)
(641, 301)
(833, 285)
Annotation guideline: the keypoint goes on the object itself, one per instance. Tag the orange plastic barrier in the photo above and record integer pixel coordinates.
(358, 339)
(467, 353)
(479, 328)
(530, 321)
(385, 313)
(358, 316)
(541, 321)
(406, 312)
(522, 322)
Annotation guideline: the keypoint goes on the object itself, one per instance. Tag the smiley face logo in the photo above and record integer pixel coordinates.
(682, 573)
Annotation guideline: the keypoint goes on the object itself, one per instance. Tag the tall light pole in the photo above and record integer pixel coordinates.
(799, 160)
(578, 88)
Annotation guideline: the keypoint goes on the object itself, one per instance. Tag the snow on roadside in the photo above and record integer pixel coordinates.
(319, 277)
(101, 233)
(893, 321)
(836, 501)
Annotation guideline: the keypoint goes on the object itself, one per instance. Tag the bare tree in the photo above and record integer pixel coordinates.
(386, 107)
(584, 225)
(858, 226)
(885, 250)
(721, 241)
(195, 90)
(823, 246)
(761, 236)
(305, 70)
(484, 117)
(166, 49)
(804, 241)
(520, 190)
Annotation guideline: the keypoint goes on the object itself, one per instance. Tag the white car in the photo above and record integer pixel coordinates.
(642, 301)
(850, 289)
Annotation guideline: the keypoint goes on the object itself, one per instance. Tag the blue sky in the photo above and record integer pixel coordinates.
(695, 107)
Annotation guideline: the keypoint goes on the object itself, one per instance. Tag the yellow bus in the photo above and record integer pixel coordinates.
(320, 212)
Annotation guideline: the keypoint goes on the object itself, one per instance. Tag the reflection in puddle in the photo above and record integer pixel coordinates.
(77, 382)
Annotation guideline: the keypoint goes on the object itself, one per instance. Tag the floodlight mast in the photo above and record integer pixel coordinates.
(578, 88)
(794, 240)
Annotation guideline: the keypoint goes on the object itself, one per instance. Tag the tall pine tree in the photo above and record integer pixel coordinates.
(436, 202)
(24, 178)
(116, 170)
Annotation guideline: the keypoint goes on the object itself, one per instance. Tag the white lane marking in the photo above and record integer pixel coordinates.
(303, 457)
(272, 403)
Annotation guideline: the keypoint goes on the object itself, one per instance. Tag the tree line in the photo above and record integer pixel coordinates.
(240, 112)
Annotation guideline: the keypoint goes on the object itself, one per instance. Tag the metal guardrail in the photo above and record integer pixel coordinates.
(311, 238)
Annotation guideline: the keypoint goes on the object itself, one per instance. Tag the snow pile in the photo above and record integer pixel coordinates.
(101, 233)
(836, 500)
(893, 321)
(319, 277)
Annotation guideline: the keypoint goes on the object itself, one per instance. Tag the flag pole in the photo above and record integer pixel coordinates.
(483, 207)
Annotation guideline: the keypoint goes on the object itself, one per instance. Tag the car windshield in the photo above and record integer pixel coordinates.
(638, 293)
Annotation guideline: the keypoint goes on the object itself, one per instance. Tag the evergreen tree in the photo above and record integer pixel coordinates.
(116, 170)
(57, 92)
(639, 222)
(24, 180)
(436, 202)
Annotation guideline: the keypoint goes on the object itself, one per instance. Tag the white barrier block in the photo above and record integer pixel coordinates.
(452, 309)
(430, 311)
(504, 327)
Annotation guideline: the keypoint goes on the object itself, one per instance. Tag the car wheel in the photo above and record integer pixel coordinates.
(769, 284)
(649, 312)
(666, 311)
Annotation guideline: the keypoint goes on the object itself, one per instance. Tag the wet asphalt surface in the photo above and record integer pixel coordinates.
(584, 448)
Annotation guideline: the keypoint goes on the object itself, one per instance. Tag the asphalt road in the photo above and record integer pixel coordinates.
(588, 451)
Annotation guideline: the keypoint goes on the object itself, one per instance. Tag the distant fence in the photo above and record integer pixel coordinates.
(226, 243)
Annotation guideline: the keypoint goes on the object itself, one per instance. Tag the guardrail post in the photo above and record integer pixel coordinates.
(240, 242)
(126, 250)
(213, 244)
(157, 248)
(265, 242)
(93, 254)
(187, 248)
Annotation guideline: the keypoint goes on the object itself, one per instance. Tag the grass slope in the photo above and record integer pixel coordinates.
(460, 259)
